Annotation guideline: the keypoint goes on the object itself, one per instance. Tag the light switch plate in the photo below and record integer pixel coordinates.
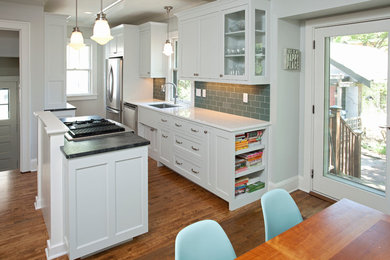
(245, 98)
(203, 93)
(198, 92)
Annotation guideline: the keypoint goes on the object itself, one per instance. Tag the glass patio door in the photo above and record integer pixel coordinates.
(351, 124)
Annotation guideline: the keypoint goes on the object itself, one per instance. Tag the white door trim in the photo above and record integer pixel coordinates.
(306, 157)
(24, 92)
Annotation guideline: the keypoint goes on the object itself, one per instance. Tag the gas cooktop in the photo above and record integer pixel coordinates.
(87, 127)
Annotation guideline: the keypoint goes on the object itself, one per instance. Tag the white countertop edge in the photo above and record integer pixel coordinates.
(53, 125)
(171, 111)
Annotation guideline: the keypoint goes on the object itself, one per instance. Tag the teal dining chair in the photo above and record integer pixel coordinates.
(203, 240)
(280, 212)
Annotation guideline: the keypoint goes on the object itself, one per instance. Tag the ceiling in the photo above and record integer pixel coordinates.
(126, 11)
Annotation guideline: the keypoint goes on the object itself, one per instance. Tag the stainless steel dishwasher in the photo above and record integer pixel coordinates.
(130, 116)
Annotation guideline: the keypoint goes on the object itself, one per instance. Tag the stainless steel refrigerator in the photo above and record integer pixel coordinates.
(114, 89)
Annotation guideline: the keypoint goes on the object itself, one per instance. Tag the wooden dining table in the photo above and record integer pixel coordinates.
(345, 230)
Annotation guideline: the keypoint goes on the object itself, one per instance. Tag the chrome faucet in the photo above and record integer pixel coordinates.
(163, 88)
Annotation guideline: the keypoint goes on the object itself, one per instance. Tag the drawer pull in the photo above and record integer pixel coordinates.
(164, 120)
(196, 172)
(178, 163)
(165, 136)
(152, 129)
(178, 125)
(194, 130)
(195, 149)
(178, 142)
(205, 131)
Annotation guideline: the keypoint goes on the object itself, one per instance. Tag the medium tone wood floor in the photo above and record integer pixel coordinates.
(174, 202)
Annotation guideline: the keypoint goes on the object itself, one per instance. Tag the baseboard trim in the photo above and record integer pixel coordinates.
(55, 251)
(290, 184)
(320, 196)
(37, 203)
(33, 165)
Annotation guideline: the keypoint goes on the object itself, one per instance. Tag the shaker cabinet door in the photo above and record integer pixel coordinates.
(189, 48)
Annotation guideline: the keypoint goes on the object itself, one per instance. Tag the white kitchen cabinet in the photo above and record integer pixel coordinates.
(115, 47)
(55, 61)
(106, 199)
(206, 154)
(165, 146)
(150, 133)
(152, 61)
(232, 43)
(189, 49)
(199, 58)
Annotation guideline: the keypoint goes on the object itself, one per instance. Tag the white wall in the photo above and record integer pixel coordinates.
(92, 106)
(9, 43)
(34, 15)
(284, 105)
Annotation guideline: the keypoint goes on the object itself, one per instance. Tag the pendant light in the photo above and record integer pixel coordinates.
(101, 29)
(76, 39)
(168, 50)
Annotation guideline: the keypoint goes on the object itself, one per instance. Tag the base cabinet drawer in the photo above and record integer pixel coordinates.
(189, 145)
(188, 169)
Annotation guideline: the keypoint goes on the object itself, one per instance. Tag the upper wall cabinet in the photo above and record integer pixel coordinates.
(55, 58)
(152, 62)
(200, 59)
(115, 47)
(225, 41)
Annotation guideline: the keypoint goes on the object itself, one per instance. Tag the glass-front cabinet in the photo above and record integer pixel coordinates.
(245, 43)
(228, 42)
(235, 44)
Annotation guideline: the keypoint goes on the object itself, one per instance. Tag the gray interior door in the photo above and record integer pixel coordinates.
(9, 123)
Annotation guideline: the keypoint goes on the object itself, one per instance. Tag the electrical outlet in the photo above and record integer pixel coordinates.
(245, 97)
(203, 93)
(198, 92)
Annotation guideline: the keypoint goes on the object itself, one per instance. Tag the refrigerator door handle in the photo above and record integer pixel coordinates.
(112, 110)
(110, 88)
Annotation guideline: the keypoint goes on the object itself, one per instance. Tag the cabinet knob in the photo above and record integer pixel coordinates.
(205, 131)
(220, 75)
(148, 72)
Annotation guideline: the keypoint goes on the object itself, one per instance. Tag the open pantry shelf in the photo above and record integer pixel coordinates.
(250, 170)
(251, 148)
(251, 195)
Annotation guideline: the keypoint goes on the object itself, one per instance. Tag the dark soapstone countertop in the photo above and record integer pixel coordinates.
(103, 144)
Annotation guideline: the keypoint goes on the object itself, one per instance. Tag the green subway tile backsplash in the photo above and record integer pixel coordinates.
(227, 98)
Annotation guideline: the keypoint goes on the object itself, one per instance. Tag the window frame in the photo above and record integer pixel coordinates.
(172, 67)
(92, 90)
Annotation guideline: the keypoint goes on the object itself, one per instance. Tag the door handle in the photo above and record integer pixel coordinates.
(112, 110)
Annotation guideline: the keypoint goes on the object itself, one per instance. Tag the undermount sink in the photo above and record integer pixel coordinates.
(162, 105)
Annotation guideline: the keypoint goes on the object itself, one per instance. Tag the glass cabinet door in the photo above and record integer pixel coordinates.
(260, 42)
(235, 47)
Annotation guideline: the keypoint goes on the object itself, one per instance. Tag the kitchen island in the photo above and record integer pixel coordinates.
(93, 192)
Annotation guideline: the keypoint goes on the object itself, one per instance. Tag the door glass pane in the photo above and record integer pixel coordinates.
(235, 43)
(356, 72)
(259, 42)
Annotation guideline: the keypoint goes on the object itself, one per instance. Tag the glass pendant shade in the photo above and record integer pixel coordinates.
(101, 30)
(76, 39)
(168, 50)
